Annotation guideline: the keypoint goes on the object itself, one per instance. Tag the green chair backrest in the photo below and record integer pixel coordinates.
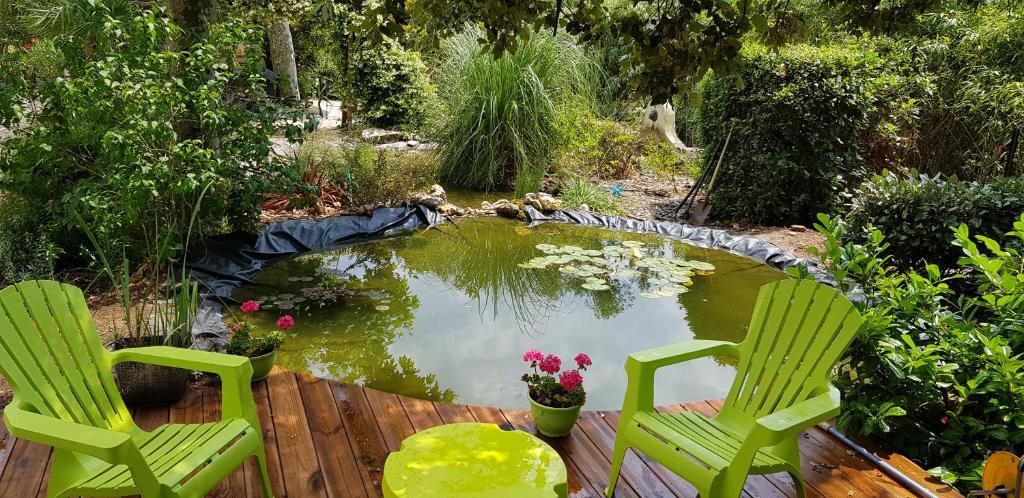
(797, 333)
(52, 356)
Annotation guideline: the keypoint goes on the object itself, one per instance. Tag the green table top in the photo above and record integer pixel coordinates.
(474, 460)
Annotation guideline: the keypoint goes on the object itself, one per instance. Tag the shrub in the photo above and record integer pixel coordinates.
(370, 176)
(797, 124)
(597, 147)
(908, 210)
(934, 374)
(392, 86)
(134, 130)
(499, 129)
(26, 251)
(578, 192)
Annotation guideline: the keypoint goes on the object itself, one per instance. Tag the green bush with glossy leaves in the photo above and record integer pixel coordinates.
(936, 374)
(908, 210)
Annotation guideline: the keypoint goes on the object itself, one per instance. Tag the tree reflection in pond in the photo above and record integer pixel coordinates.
(445, 314)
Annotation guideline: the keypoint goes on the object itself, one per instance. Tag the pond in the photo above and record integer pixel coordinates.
(445, 314)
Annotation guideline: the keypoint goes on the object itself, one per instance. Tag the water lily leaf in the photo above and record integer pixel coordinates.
(595, 286)
(569, 269)
(632, 243)
(650, 294)
(382, 307)
(546, 247)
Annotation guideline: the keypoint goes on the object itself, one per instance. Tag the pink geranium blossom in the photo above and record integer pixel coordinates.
(551, 364)
(533, 356)
(285, 322)
(571, 380)
(583, 361)
(250, 307)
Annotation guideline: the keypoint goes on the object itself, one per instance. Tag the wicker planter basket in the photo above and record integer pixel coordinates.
(142, 384)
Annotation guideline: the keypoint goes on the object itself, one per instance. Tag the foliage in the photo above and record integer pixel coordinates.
(597, 147)
(26, 251)
(499, 129)
(370, 176)
(907, 210)
(935, 374)
(797, 124)
(133, 130)
(392, 87)
(244, 343)
(577, 192)
(565, 391)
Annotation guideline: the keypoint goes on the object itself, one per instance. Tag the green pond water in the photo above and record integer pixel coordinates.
(446, 314)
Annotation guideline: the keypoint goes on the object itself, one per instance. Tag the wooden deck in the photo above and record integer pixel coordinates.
(326, 439)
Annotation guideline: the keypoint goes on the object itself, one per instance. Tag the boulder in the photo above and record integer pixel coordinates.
(584, 207)
(503, 207)
(379, 136)
(433, 198)
(543, 201)
(449, 209)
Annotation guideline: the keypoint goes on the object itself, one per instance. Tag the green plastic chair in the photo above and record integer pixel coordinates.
(65, 397)
(797, 333)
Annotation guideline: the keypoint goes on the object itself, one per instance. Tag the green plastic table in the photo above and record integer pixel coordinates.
(474, 460)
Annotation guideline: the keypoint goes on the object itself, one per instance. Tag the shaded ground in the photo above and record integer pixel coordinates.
(646, 195)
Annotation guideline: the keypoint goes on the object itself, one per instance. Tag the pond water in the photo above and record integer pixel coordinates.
(446, 314)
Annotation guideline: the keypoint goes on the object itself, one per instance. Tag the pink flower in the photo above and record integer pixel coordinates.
(571, 380)
(285, 322)
(250, 307)
(550, 364)
(533, 356)
(583, 361)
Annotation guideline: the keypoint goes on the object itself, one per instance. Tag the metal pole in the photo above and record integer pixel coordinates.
(882, 465)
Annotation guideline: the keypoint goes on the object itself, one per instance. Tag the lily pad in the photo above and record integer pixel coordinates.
(595, 286)
(382, 307)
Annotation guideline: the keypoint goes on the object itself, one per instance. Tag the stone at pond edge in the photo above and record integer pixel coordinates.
(379, 136)
(543, 201)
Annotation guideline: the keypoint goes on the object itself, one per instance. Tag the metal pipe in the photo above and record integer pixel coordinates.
(882, 465)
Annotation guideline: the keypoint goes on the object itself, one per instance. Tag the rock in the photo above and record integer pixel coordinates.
(584, 207)
(506, 208)
(451, 210)
(437, 191)
(379, 136)
(550, 185)
(543, 201)
(412, 143)
(798, 228)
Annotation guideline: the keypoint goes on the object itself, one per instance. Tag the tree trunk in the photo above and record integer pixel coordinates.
(282, 56)
(194, 18)
(660, 121)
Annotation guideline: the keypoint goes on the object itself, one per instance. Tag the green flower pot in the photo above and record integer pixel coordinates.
(261, 365)
(553, 422)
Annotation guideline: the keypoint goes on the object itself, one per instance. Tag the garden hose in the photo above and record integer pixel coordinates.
(882, 465)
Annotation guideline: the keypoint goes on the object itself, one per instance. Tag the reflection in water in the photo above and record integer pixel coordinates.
(445, 314)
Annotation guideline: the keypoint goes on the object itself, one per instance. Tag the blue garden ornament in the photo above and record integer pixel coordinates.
(617, 190)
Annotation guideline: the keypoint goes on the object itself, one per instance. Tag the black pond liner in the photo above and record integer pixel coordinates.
(233, 260)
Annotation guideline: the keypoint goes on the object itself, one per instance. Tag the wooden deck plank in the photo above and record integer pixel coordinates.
(422, 413)
(44, 480)
(6, 444)
(363, 434)
(391, 418)
(580, 483)
(302, 475)
(331, 440)
(234, 484)
(635, 473)
(454, 414)
(906, 466)
(23, 476)
(254, 485)
(342, 475)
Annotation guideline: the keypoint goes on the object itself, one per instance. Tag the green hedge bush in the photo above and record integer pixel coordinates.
(26, 250)
(798, 123)
(392, 86)
(909, 210)
(935, 373)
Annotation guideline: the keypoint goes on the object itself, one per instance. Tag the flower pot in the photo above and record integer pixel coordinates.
(553, 422)
(261, 365)
(146, 384)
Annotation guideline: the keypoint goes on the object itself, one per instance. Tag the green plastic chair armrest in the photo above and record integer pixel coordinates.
(104, 444)
(640, 368)
(234, 371)
(656, 358)
(804, 414)
(191, 359)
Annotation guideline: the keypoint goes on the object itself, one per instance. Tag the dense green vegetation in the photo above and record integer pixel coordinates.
(131, 131)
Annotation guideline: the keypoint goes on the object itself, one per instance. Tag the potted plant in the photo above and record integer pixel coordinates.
(261, 350)
(555, 402)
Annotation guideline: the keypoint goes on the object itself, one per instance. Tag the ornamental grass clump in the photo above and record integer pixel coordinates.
(500, 126)
(565, 390)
